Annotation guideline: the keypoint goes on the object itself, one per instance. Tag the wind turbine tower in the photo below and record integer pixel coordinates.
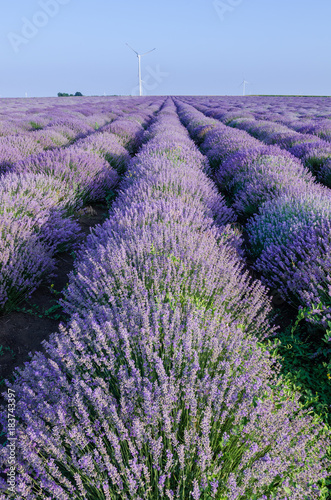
(139, 65)
(244, 83)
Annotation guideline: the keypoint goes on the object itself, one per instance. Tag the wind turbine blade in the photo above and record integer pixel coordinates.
(147, 52)
(132, 49)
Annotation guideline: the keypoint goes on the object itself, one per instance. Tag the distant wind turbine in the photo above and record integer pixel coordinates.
(139, 65)
(244, 83)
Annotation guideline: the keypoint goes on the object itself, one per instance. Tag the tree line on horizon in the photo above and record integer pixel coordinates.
(64, 94)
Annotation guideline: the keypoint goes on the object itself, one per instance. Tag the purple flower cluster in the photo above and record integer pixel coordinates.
(301, 114)
(75, 128)
(21, 139)
(217, 141)
(253, 176)
(313, 152)
(34, 223)
(40, 193)
(129, 130)
(270, 132)
(6, 127)
(291, 239)
(86, 173)
(248, 172)
(16, 147)
(157, 388)
(49, 138)
(317, 156)
(321, 128)
(290, 233)
(106, 145)
(21, 136)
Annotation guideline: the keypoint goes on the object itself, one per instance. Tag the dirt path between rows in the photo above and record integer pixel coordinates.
(21, 333)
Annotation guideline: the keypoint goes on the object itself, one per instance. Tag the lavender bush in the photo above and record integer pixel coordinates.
(45, 189)
(130, 131)
(88, 175)
(185, 407)
(219, 141)
(49, 139)
(315, 154)
(322, 129)
(75, 127)
(106, 145)
(15, 148)
(291, 239)
(317, 157)
(161, 389)
(34, 224)
(253, 176)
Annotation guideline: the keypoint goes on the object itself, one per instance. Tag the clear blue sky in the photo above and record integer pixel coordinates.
(279, 46)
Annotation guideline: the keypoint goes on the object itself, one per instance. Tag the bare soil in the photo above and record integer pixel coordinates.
(21, 333)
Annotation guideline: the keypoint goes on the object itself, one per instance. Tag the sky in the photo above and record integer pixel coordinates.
(203, 47)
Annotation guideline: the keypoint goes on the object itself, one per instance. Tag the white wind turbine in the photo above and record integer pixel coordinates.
(244, 83)
(139, 65)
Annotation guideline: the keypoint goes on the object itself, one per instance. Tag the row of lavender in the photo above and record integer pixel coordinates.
(290, 214)
(309, 146)
(38, 114)
(308, 115)
(158, 388)
(34, 129)
(40, 195)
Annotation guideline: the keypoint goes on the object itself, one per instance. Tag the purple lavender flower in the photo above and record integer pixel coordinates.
(82, 171)
(160, 359)
(34, 223)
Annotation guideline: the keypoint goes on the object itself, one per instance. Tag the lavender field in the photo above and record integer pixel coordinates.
(190, 358)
